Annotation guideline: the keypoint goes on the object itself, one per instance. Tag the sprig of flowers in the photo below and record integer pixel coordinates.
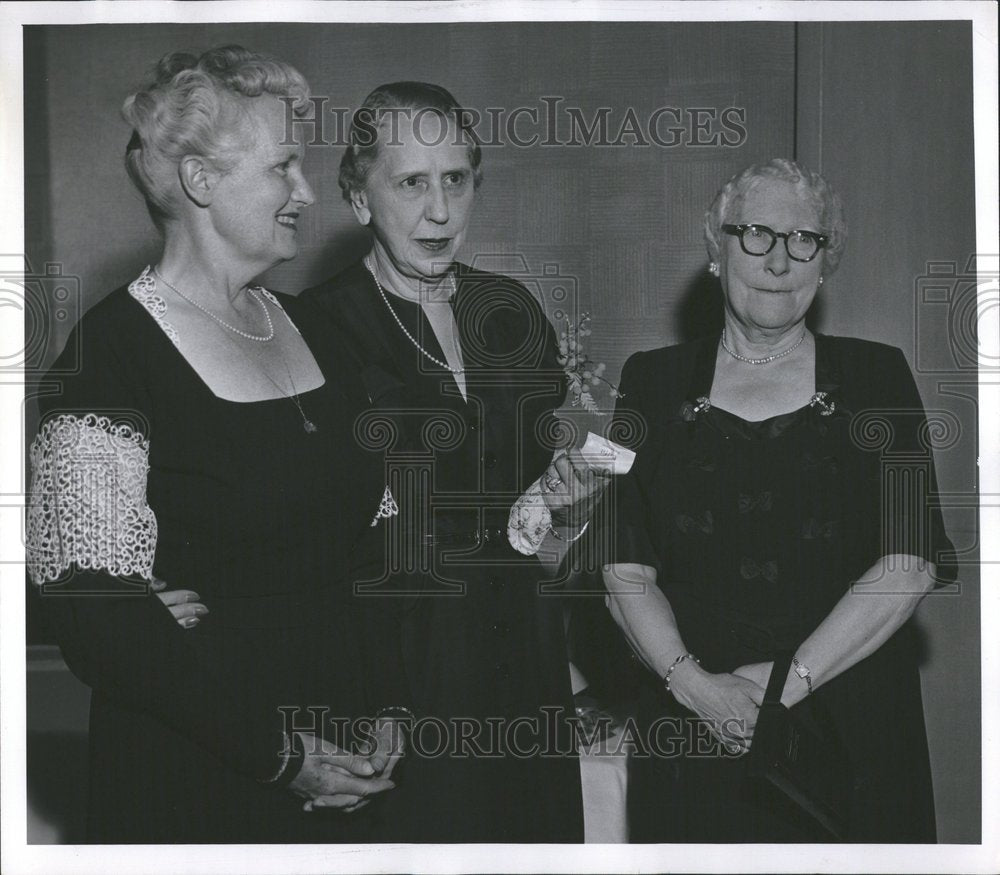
(581, 372)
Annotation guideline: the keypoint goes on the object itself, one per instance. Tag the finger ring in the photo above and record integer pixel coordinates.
(552, 483)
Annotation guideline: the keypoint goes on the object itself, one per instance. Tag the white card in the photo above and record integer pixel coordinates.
(599, 452)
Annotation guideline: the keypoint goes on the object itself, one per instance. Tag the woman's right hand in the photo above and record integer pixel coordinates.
(333, 778)
(729, 703)
(183, 604)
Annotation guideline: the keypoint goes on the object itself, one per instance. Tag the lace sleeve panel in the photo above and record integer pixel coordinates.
(529, 521)
(88, 500)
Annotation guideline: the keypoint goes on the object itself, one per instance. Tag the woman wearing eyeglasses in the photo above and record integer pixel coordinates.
(777, 504)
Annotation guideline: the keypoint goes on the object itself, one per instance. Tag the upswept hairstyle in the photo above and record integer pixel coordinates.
(812, 187)
(377, 111)
(192, 106)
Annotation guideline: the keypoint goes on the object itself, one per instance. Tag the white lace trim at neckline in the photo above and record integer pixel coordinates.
(143, 289)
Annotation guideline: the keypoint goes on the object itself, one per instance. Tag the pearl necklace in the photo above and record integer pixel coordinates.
(765, 360)
(259, 338)
(412, 339)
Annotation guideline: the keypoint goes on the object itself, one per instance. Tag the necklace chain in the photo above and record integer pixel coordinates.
(765, 360)
(307, 424)
(253, 293)
(412, 339)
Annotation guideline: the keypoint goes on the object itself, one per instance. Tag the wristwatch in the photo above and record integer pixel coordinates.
(803, 672)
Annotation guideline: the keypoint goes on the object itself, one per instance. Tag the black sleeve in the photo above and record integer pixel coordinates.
(90, 540)
(911, 522)
(627, 513)
(379, 603)
(541, 427)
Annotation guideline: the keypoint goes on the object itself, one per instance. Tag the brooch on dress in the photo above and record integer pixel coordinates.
(825, 408)
(689, 411)
(387, 507)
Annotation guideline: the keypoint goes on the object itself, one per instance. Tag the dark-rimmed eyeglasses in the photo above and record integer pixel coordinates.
(759, 240)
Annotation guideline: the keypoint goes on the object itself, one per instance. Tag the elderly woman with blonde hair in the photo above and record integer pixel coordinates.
(206, 440)
(762, 526)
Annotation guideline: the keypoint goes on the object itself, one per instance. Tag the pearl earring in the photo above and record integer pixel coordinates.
(821, 280)
(713, 269)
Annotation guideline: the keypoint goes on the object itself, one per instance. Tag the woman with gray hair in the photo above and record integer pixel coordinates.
(463, 378)
(206, 439)
(758, 523)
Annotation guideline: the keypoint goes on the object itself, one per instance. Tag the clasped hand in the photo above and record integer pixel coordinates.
(330, 777)
(333, 778)
(727, 701)
(571, 488)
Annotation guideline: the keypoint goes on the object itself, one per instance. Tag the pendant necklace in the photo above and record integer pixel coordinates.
(307, 424)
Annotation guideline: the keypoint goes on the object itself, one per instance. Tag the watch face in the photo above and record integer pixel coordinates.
(801, 671)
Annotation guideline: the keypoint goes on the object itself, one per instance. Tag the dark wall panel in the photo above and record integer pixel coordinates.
(885, 113)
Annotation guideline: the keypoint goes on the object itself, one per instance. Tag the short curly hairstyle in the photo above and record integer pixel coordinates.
(384, 103)
(193, 106)
(813, 187)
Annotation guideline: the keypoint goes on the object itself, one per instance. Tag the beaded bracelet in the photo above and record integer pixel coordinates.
(395, 711)
(674, 664)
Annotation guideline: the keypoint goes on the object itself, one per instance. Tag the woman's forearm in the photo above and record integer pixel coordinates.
(643, 613)
(867, 616)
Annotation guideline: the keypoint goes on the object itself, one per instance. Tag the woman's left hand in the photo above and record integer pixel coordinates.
(571, 488)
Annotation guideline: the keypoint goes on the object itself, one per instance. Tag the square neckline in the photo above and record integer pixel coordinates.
(826, 379)
(166, 332)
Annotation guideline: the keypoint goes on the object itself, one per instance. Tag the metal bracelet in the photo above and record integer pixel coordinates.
(803, 672)
(575, 537)
(674, 664)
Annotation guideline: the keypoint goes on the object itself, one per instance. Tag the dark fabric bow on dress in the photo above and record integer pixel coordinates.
(703, 523)
(763, 502)
(701, 463)
(749, 569)
(813, 528)
(809, 462)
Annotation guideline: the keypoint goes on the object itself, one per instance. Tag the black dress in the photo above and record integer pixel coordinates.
(253, 513)
(481, 643)
(757, 529)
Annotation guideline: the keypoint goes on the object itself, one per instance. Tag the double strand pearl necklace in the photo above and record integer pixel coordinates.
(253, 293)
(412, 339)
(765, 360)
